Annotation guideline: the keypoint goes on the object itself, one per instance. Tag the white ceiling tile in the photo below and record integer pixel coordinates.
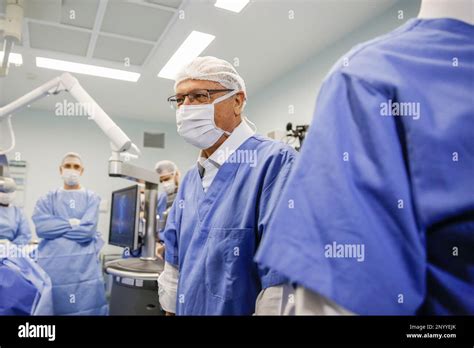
(46, 10)
(115, 49)
(79, 13)
(48, 37)
(143, 22)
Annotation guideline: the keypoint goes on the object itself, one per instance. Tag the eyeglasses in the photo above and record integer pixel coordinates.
(201, 96)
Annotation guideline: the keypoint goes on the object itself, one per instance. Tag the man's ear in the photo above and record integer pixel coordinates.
(60, 170)
(238, 103)
(82, 171)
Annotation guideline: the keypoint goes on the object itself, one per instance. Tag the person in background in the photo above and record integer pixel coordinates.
(66, 219)
(169, 179)
(25, 289)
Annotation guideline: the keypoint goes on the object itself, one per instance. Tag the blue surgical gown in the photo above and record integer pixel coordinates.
(25, 288)
(399, 183)
(70, 254)
(13, 225)
(212, 236)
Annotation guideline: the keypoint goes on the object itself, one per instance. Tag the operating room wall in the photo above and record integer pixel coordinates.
(292, 97)
(43, 138)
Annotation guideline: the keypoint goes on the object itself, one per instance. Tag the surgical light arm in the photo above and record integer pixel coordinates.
(119, 142)
(66, 82)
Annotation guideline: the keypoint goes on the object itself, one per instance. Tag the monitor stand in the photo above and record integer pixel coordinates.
(135, 286)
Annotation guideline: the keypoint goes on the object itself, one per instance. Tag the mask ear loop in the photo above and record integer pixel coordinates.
(251, 124)
(217, 101)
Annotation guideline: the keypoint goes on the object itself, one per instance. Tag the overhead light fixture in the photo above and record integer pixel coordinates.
(191, 48)
(93, 70)
(232, 5)
(13, 58)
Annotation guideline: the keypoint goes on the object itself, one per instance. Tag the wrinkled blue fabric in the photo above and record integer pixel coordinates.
(398, 184)
(25, 288)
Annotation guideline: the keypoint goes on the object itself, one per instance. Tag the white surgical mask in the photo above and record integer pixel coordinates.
(70, 177)
(7, 198)
(169, 186)
(196, 123)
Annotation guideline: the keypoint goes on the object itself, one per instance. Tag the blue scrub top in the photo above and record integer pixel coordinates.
(382, 216)
(213, 236)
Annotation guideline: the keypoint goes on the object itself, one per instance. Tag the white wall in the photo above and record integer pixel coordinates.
(42, 139)
(269, 109)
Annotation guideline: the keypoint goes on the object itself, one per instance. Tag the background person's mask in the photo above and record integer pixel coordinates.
(169, 186)
(7, 198)
(196, 123)
(70, 177)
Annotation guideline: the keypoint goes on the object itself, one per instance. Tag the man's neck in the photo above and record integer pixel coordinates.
(73, 187)
(456, 9)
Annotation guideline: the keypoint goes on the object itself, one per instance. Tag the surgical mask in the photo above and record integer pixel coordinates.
(70, 177)
(169, 186)
(7, 198)
(196, 123)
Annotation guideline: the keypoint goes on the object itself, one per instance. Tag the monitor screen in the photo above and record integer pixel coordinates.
(124, 217)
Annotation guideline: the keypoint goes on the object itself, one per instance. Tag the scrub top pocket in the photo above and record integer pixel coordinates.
(228, 262)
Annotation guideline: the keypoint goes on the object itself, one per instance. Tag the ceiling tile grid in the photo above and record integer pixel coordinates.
(116, 31)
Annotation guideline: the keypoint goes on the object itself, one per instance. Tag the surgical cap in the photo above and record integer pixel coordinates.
(166, 168)
(72, 154)
(212, 69)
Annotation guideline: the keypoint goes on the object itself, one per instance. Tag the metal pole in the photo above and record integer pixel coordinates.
(148, 248)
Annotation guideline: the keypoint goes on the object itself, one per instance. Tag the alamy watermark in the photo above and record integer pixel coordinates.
(74, 109)
(239, 156)
(10, 250)
(345, 251)
(398, 109)
(37, 331)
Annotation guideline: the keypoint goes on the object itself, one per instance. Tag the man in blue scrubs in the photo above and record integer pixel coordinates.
(66, 220)
(381, 219)
(224, 203)
(169, 181)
